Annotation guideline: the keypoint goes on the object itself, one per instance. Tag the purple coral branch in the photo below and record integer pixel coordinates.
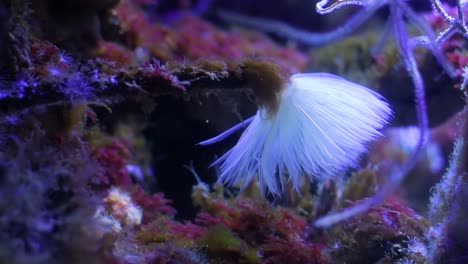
(457, 25)
(398, 174)
(399, 10)
(428, 34)
(382, 41)
(303, 36)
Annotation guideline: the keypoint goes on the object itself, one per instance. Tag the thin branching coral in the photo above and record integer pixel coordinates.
(399, 10)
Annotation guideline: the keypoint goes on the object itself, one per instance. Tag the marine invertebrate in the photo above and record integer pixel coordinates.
(456, 25)
(314, 124)
(399, 10)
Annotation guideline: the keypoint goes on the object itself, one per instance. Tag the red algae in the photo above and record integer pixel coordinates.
(153, 205)
(113, 159)
(192, 38)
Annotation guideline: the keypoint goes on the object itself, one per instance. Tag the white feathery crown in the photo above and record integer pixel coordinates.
(320, 128)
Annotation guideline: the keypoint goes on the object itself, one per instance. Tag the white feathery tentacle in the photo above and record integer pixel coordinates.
(226, 133)
(320, 128)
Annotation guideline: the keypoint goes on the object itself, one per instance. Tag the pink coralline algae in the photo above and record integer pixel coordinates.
(113, 159)
(153, 205)
(192, 38)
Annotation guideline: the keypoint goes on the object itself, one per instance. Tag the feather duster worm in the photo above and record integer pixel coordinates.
(313, 125)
